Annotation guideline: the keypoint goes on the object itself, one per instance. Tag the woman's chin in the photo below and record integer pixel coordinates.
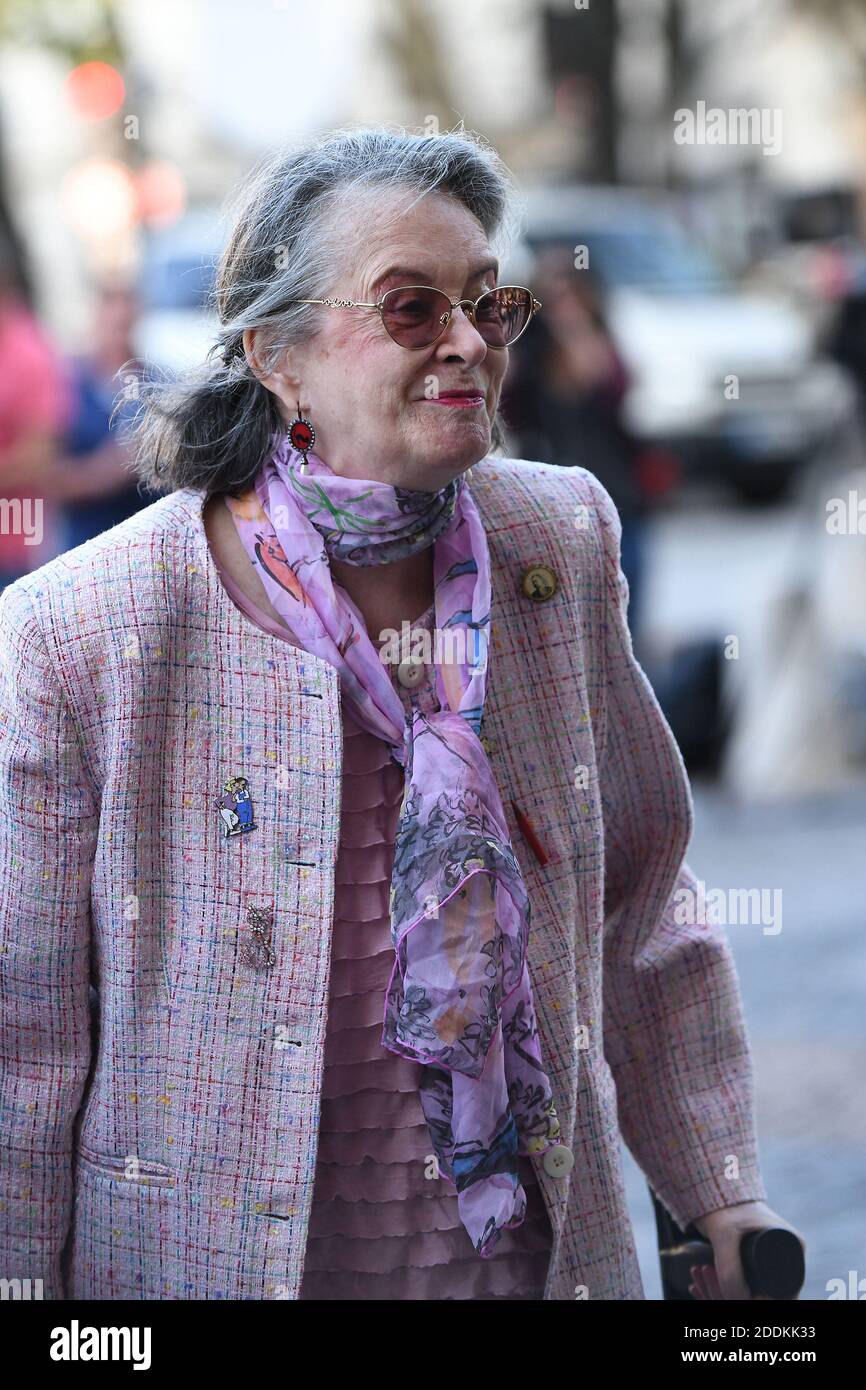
(457, 446)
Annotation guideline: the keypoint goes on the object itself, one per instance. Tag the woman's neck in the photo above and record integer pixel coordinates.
(388, 595)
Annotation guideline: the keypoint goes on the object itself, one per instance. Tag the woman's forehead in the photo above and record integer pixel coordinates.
(429, 233)
(430, 271)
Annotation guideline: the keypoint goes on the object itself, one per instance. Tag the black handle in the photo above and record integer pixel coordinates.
(772, 1257)
(773, 1262)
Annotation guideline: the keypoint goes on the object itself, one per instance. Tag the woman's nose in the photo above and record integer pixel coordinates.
(462, 336)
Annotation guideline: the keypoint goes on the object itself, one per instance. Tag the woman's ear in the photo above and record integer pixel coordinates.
(280, 381)
(251, 345)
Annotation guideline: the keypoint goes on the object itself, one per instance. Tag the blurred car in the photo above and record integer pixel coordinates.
(176, 326)
(692, 338)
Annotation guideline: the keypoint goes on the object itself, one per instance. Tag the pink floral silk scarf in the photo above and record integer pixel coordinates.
(459, 999)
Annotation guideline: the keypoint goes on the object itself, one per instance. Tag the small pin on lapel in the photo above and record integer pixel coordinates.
(539, 582)
(235, 807)
(256, 949)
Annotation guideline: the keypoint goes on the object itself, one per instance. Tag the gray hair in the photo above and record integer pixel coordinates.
(212, 429)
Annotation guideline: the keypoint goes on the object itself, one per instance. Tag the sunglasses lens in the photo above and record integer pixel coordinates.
(503, 314)
(413, 316)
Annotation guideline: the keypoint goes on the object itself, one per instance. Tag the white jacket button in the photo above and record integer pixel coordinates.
(558, 1161)
(410, 673)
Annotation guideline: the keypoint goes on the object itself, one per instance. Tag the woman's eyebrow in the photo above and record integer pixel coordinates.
(422, 277)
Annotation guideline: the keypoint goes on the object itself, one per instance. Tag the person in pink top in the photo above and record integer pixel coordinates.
(400, 956)
(35, 403)
(355, 382)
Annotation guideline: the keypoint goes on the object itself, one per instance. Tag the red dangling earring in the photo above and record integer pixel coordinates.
(302, 436)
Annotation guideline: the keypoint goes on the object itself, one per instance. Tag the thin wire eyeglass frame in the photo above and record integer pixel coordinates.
(445, 319)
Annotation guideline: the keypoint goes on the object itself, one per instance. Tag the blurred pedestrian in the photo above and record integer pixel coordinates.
(563, 401)
(97, 489)
(34, 408)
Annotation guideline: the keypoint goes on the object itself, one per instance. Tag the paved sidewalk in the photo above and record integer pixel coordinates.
(804, 998)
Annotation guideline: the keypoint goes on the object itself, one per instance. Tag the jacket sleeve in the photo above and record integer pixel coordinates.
(674, 1030)
(48, 836)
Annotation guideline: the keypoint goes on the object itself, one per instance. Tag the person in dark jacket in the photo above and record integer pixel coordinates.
(563, 400)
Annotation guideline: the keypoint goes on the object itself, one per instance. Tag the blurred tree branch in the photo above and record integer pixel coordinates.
(846, 17)
(79, 30)
(411, 39)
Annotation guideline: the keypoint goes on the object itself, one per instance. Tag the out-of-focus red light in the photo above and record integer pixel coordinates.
(95, 90)
(161, 191)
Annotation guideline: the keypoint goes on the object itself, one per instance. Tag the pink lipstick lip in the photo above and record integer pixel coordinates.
(467, 399)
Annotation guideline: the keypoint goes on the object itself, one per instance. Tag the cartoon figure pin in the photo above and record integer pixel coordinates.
(235, 807)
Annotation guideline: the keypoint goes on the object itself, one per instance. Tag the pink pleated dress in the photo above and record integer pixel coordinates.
(381, 1227)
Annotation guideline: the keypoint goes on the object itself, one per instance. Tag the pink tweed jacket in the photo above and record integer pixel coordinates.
(159, 1099)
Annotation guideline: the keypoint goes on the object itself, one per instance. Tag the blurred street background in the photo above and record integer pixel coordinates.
(695, 225)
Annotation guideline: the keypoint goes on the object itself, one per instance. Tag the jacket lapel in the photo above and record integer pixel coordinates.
(538, 725)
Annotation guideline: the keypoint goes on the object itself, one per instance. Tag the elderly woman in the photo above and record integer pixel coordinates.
(343, 850)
